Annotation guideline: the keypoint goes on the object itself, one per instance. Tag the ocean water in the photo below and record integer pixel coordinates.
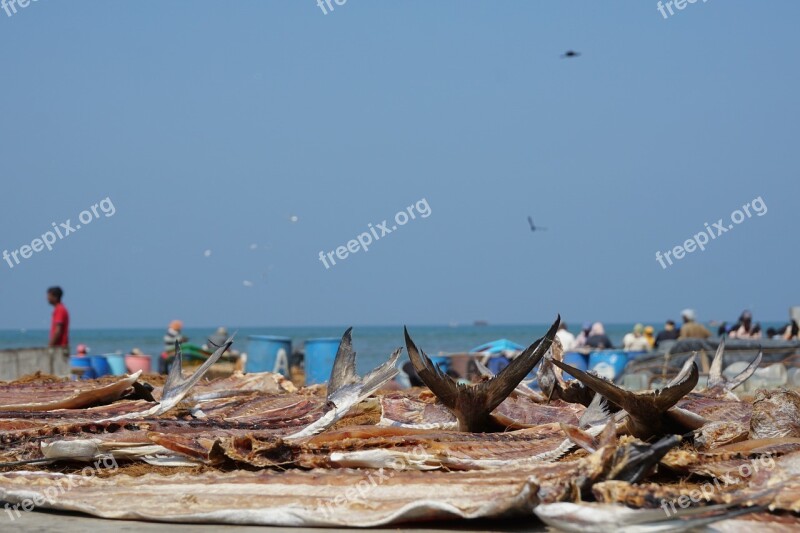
(373, 344)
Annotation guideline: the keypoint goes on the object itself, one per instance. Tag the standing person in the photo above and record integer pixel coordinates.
(59, 326)
(669, 333)
(692, 329)
(744, 329)
(567, 339)
(173, 334)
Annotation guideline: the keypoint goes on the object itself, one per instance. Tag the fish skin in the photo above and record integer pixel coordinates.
(600, 518)
(70, 395)
(345, 497)
(776, 414)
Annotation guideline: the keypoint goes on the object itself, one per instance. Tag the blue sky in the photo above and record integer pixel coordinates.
(210, 124)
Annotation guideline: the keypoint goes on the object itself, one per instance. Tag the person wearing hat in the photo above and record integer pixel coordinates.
(174, 334)
(83, 350)
(745, 329)
(635, 341)
(692, 329)
(648, 334)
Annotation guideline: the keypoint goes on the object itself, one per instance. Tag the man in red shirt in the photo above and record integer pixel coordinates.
(59, 329)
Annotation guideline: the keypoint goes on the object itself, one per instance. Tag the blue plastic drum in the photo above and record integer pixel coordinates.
(117, 363)
(83, 363)
(578, 360)
(319, 357)
(609, 364)
(100, 365)
(268, 353)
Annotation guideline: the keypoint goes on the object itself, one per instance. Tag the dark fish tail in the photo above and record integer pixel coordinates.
(472, 404)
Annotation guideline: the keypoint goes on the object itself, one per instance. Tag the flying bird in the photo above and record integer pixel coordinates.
(534, 227)
(570, 53)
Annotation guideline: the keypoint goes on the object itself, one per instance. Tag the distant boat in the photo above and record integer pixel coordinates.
(480, 323)
(498, 346)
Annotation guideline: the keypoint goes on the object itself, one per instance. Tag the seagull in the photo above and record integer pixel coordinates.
(571, 53)
(534, 227)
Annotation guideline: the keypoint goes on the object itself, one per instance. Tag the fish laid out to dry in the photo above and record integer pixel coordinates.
(253, 449)
(64, 395)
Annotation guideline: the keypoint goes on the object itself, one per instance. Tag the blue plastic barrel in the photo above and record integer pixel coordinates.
(100, 365)
(609, 364)
(83, 363)
(117, 363)
(268, 353)
(578, 360)
(319, 357)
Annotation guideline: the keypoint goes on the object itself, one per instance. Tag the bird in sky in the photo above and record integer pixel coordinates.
(534, 227)
(570, 53)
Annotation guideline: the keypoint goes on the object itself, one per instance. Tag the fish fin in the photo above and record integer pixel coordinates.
(175, 375)
(621, 397)
(640, 407)
(596, 414)
(745, 374)
(344, 365)
(379, 376)
(580, 437)
(715, 378)
(685, 371)
(672, 393)
(343, 398)
(437, 381)
(498, 388)
(177, 387)
(472, 404)
(635, 460)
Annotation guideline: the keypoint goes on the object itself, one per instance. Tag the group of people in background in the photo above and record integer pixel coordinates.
(592, 335)
(642, 339)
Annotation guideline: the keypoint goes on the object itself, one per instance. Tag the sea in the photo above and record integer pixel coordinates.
(373, 344)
